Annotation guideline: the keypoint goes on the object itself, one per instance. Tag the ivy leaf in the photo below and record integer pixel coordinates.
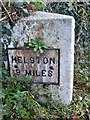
(35, 49)
(33, 42)
(6, 31)
(2, 95)
(25, 11)
(39, 40)
(24, 111)
(41, 50)
(19, 4)
(31, 45)
(45, 46)
(39, 47)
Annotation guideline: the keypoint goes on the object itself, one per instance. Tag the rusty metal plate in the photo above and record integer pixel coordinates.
(44, 68)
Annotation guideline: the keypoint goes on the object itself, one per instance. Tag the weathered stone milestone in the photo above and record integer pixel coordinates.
(57, 31)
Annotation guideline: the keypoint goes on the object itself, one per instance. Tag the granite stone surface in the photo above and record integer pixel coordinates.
(57, 31)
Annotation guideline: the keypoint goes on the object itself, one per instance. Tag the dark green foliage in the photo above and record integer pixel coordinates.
(37, 44)
(6, 31)
(19, 102)
(77, 107)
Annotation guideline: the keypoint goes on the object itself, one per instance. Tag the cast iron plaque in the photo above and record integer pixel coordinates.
(44, 68)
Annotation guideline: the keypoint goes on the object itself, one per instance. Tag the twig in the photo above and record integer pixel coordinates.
(4, 18)
(6, 11)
